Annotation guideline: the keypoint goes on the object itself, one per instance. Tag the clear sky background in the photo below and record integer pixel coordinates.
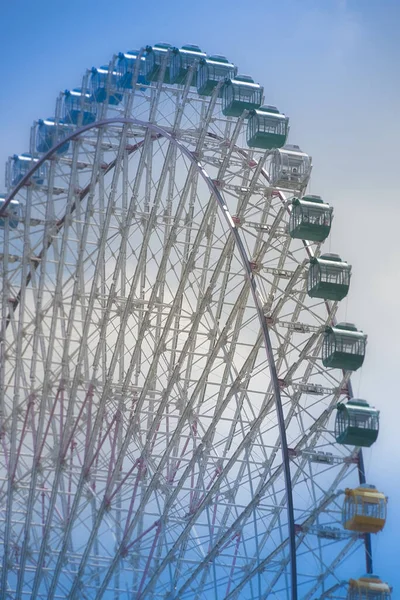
(333, 67)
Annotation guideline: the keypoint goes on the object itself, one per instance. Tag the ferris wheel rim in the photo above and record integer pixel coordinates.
(98, 124)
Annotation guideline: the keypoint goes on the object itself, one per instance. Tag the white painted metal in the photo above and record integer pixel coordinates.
(140, 447)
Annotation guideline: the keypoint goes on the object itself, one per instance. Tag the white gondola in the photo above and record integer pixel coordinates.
(290, 168)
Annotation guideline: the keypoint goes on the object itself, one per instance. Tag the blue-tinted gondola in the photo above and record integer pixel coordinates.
(79, 107)
(155, 55)
(49, 132)
(182, 59)
(103, 85)
(13, 213)
(19, 165)
(212, 70)
(240, 94)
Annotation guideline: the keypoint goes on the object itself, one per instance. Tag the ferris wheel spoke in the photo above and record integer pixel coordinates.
(313, 516)
(211, 490)
(176, 491)
(330, 569)
(34, 473)
(142, 392)
(55, 485)
(295, 477)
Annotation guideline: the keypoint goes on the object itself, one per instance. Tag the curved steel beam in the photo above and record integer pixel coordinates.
(160, 132)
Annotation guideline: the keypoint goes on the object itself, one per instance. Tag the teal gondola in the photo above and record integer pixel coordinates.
(267, 128)
(103, 86)
(310, 219)
(126, 67)
(356, 424)
(343, 347)
(328, 277)
(13, 213)
(49, 132)
(239, 94)
(181, 61)
(212, 70)
(78, 107)
(19, 165)
(155, 55)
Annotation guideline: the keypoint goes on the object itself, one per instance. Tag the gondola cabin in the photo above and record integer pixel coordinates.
(343, 347)
(19, 165)
(290, 168)
(49, 133)
(310, 219)
(13, 213)
(155, 56)
(126, 68)
(267, 128)
(368, 587)
(328, 277)
(181, 61)
(79, 107)
(356, 424)
(364, 509)
(212, 70)
(103, 85)
(240, 94)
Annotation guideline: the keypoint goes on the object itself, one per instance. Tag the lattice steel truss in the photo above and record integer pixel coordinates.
(140, 451)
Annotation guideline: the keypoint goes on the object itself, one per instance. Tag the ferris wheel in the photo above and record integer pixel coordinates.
(177, 417)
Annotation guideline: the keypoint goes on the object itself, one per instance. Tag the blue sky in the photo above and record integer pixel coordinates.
(332, 66)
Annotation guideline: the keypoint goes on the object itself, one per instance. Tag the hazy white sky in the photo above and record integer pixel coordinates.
(333, 67)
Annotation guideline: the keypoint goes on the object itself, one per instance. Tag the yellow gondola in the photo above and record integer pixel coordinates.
(368, 587)
(364, 509)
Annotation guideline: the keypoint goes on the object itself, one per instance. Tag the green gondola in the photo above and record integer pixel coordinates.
(310, 219)
(267, 128)
(357, 423)
(181, 61)
(343, 347)
(155, 55)
(212, 70)
(240, 94)
(328, 277)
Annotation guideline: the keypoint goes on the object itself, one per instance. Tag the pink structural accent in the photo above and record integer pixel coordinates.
(71, 460)
(101, 442)
(194, 427)
(118, 419)
(214, 518)
(121, 483)
(233, 564)
(62, 386)
(18, 453)
(194, 507)
(134, 492)
(43, 523)
(89, 417)
(157, 132)
(5, 450)
(51, 415)
(145, 532)
(154, 437)
(33, 427)
(149, 559)
(170, 478)
(88, 397)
